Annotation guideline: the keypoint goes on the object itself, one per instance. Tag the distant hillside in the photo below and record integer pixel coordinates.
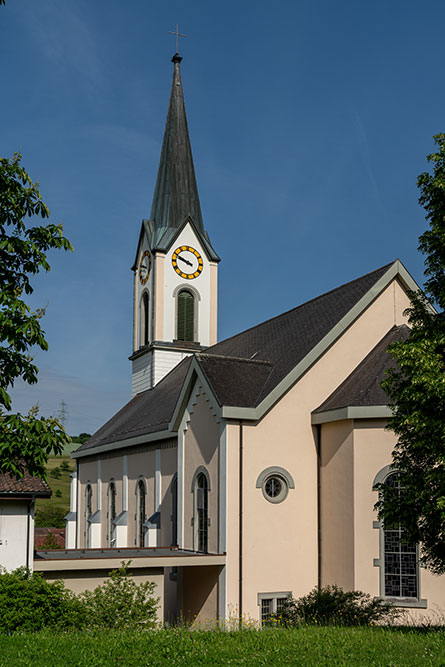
(50, 511)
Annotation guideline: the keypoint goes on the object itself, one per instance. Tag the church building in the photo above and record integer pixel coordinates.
(243, 470)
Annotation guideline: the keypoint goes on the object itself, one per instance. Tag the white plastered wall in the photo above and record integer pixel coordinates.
(202, 284)
(14, 535)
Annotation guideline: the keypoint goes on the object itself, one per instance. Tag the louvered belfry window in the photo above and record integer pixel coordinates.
(186, 316)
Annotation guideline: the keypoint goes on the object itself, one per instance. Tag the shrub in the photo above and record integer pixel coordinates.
(121, 603)
(56, 473)
(29, 602)
(65, 466)
(332, 605)
(51, 516)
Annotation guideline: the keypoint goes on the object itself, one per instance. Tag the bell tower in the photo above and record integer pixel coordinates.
(175, 268)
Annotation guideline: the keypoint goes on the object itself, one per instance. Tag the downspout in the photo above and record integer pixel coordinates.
(28, 530)
(240, 536)
(77, 504)
(318, 446)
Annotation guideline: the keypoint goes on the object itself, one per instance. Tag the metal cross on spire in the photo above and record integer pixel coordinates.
(177, 34)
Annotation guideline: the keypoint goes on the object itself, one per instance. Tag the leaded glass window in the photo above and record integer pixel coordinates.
(400, 557)
(201, 518)
(140, 514)
(111, 514)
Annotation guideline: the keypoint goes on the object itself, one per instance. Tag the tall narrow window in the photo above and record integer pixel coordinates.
(201, 518)
(140, 514)
(175, 511)
(400, 557)
(88, 512)
(144, 317)
(186, 315)
(111, 514)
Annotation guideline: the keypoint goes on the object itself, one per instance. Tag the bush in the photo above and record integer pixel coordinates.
(332, 605)
(29, 602)
(50, 542)
(51, 516)
(121, 603)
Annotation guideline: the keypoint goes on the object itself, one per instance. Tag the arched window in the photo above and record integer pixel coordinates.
(111, 515)
(201, 513)
(88, 512)
(144, 318)
(186, 316)
(174, 489)
(140, 514)
(400, 557)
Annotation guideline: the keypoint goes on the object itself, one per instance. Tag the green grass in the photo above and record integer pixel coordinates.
(305, 646)
(62, 484)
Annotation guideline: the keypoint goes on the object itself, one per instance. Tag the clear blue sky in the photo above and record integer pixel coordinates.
(309, 122)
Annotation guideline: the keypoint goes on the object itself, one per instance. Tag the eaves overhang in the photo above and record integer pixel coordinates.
(352, 412)
(122, 444)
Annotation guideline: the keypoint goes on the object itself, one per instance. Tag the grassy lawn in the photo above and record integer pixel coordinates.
(62, 484)
(308, 646)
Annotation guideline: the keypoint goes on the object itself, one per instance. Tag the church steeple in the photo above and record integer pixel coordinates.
(176, 267)
(176, 193)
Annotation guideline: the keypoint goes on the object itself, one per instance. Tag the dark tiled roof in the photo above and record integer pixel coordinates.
(26, 485)
(176, 196)
(242, 369)
(362, 386)
(285, 340)
(148, 412)
(236, 382)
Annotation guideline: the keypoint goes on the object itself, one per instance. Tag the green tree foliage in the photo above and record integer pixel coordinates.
(416, 388)
(50, 516)
(25, 441)
(332, 605)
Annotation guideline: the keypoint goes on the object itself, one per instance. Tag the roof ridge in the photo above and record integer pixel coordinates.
(243, 359)
(276, 317)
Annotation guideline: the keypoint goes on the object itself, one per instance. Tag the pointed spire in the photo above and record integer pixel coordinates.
(176, 192)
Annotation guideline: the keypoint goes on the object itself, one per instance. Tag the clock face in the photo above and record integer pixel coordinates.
(145, 267)
(187, 262)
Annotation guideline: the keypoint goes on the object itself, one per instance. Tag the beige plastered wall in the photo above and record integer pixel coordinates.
(280, 540)
(201, 442)
(372, 452)
(199, 594)
(337, 504)
(141, 464)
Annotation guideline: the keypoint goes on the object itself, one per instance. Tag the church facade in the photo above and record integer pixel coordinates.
(244, 470)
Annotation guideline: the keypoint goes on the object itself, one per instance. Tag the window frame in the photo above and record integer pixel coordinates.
(111, 528)
(140, 530)
(88, 512)
(273, 597)
(201, 523)
(144, 318)
(397, 601)
(284, 477)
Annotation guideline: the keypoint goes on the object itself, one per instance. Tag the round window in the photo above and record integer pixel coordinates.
(275, 488)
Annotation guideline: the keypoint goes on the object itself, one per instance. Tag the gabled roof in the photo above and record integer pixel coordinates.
(250, 371)
(176, 192)
(27, 486)
(362, 387)
(285, 340)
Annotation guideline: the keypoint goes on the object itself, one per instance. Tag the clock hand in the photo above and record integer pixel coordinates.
(185, 260)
